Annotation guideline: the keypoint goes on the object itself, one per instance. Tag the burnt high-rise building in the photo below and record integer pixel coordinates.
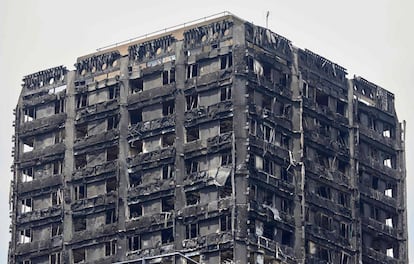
(216, 142)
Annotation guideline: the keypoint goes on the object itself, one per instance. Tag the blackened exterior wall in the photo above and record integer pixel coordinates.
(217, 143)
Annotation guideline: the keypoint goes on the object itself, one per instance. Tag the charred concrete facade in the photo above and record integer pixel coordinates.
(218, 142)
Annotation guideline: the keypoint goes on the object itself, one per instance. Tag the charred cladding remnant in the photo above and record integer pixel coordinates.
(219, 142)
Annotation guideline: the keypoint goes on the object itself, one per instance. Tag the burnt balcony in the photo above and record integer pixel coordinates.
(41, 245)
(40, 215)
(42, 125)
(94, 202)
(152, 127)
(143, 159)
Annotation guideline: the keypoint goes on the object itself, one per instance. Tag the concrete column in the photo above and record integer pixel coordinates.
(180, 77)
(297, 152)
(122, 158)
(69, 164)
(240, 155)
(356, 241)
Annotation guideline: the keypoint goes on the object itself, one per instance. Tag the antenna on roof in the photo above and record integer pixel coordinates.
(267, 19)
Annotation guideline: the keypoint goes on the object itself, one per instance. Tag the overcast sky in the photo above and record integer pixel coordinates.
(370, 38)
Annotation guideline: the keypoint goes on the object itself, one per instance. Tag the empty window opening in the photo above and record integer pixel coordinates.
(344, 230)
(137, 85)
(375, 213)
(26, 261)
(59, 136)
(167, 204)
(340, 107)
(27, 205)
(60, 106)
(388, 192)
(258, 162)
(287, 238)
(111, 184)
(342, 166)
(168, 77)
(192, 198)
(168, 107)
(305, 89)
(57, 167)
(390, 252)
(323, 221)
(191, 101)
(134, 243)
(135, 210)
(324, 254)
(388, 222)
(225, 93)
(286, 206)
(56, 229)
(375, 181)
(25, 236)
(110, 216)
(167, 236)
(112, 153)
(270, 167)
(112, 122)
(285, 141)
(135, 116)
(28, 145)
(226, 190)
(285, 175)
(226, 256)
(110, 248)
(388, 162)
(345, 259)
(226, 159)
(79, 192)
(387, 131)
(29, 114)
(191, 166)
(192, 134)
(167, 172)
(81, 100)
(135, 147)
(135, 179)
(167, 140)
(55, 258)
(113, 92)
(192, 70)
(27, 174)
(225, 223)
(226, 61)
(56, 197)
(324, 191)
(79, 223)
(267, 103)
(343, 199)
(80, 161)
(192, 230)
(269, 231)
(81, 131)
(321, 98)
(226, 125)
(79, 255)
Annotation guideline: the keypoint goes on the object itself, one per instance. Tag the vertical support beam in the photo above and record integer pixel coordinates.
(356, 241)
(240, 136)
(179, 194)
(123, 181)
(402, 185)
(298, 151)
(69, 164)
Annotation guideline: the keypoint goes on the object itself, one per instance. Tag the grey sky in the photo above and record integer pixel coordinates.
(371, 38)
